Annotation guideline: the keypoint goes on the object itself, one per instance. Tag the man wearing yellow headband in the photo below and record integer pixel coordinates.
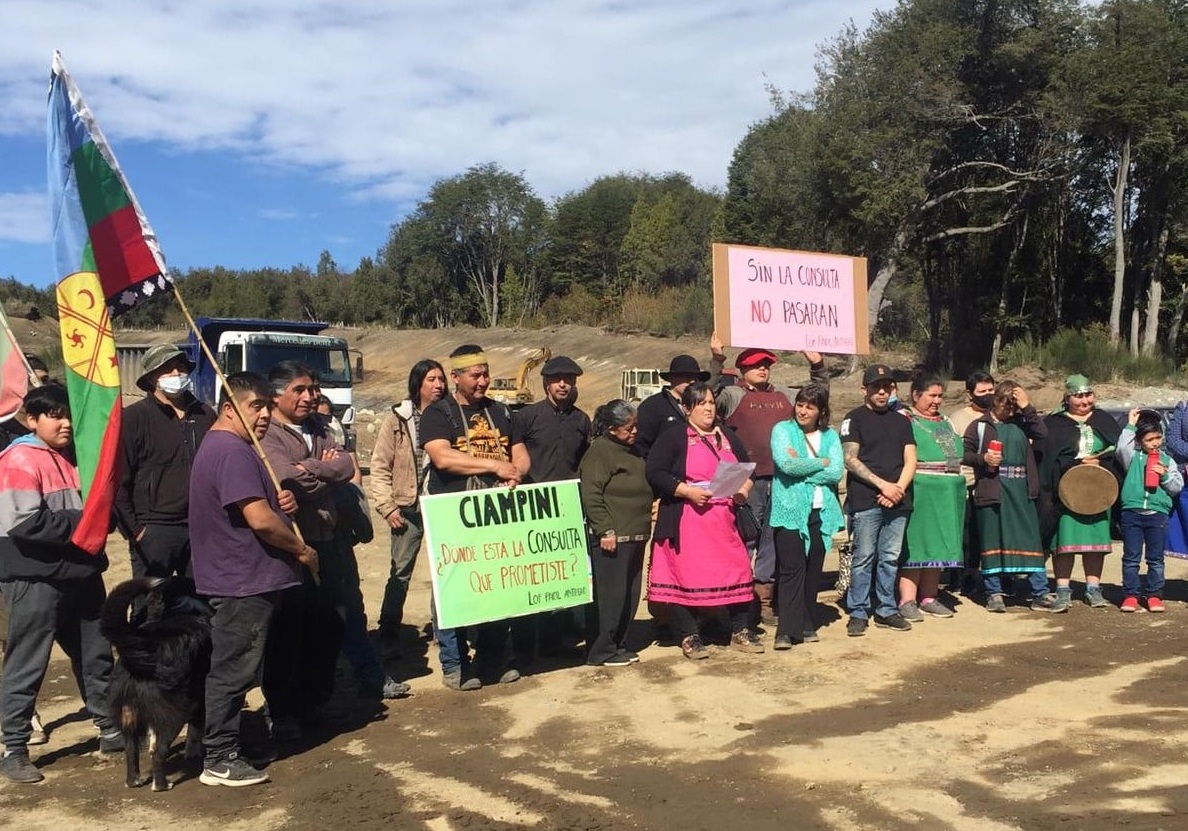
(470, 442)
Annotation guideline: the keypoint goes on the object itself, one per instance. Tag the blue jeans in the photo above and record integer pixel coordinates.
(878, 537)
(340, 577)
(1038, 580)
(763, 549)
(453, 647)
(1137, 529)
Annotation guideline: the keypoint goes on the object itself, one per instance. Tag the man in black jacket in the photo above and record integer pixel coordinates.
(663, 410)
(159, 437)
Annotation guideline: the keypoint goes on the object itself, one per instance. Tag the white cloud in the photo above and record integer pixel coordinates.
(278, 214)
(388, 97)
(24, 217)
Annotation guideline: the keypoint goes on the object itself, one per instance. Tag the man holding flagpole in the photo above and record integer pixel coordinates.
(245, 556)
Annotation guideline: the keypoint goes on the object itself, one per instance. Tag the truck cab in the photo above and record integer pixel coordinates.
(255, 345)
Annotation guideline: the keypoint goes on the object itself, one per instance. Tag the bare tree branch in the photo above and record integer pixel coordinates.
(973, 229)
(1005, 187)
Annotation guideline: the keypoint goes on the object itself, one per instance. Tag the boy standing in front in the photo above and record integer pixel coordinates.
(52, 589)
(1146, 505)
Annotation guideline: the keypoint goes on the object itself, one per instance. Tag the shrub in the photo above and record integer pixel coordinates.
(577, 307)
(670, 312)
(1022, 352)
(1090, 353)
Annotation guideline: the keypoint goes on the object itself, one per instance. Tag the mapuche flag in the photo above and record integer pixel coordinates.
(107, 262)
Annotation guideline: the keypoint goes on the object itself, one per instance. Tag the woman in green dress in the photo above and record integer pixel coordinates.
(933, 541)
(998, 446)
(1078, 434)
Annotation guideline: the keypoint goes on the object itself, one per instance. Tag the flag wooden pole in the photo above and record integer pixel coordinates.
(235, 404)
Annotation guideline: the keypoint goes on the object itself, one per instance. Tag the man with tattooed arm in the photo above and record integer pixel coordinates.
(880, 458)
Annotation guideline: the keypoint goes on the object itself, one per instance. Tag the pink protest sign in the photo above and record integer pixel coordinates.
(790, 300)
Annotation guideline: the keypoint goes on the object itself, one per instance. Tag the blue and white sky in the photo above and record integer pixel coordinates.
(260, 132)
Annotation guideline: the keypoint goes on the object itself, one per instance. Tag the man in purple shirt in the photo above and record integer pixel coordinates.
(244, 553)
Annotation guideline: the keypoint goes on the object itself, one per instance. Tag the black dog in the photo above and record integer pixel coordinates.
(159, 680)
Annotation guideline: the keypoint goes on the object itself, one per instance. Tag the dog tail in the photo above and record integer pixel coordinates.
(113, 621)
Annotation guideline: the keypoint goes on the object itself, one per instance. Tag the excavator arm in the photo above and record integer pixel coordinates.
(515, 392)
(534, 360)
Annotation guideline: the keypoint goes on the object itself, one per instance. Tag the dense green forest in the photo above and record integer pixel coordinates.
(1011, 168)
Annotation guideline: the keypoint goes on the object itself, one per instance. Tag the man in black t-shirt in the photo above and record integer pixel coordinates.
(880, 457)
(556, 434)
(470, 442)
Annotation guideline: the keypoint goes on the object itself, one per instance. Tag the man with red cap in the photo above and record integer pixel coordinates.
(752, 408)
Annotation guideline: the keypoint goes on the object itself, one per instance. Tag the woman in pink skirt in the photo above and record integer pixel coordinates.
(698, 558)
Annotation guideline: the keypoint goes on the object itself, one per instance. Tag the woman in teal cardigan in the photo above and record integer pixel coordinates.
(805, 511)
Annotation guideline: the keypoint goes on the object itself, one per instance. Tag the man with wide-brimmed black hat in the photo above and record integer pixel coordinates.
(159, 436)
(663, 410)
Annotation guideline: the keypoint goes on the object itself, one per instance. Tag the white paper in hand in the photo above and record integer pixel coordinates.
(729, 478)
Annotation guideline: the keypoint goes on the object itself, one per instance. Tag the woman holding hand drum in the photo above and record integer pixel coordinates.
(1079, 435)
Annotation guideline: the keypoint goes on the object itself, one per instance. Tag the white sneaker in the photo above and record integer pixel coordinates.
(38, 734)
(233, 772)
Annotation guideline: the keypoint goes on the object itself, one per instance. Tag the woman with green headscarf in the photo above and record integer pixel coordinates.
(1078, 434)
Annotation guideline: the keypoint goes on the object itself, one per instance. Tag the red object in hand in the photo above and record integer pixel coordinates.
(994, 446)
(1150, 476)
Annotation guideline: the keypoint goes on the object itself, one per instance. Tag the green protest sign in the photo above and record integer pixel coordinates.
(505, 552)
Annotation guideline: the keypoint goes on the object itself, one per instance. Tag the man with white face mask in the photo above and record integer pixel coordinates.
(159, 437)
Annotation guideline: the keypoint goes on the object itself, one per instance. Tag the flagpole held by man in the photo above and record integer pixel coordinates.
(108, 262)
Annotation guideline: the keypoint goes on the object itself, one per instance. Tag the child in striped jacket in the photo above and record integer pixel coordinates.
(53, 590)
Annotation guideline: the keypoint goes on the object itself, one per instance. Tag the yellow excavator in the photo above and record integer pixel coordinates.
(515, 392)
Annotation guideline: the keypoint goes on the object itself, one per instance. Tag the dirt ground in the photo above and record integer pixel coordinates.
(979, 723)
